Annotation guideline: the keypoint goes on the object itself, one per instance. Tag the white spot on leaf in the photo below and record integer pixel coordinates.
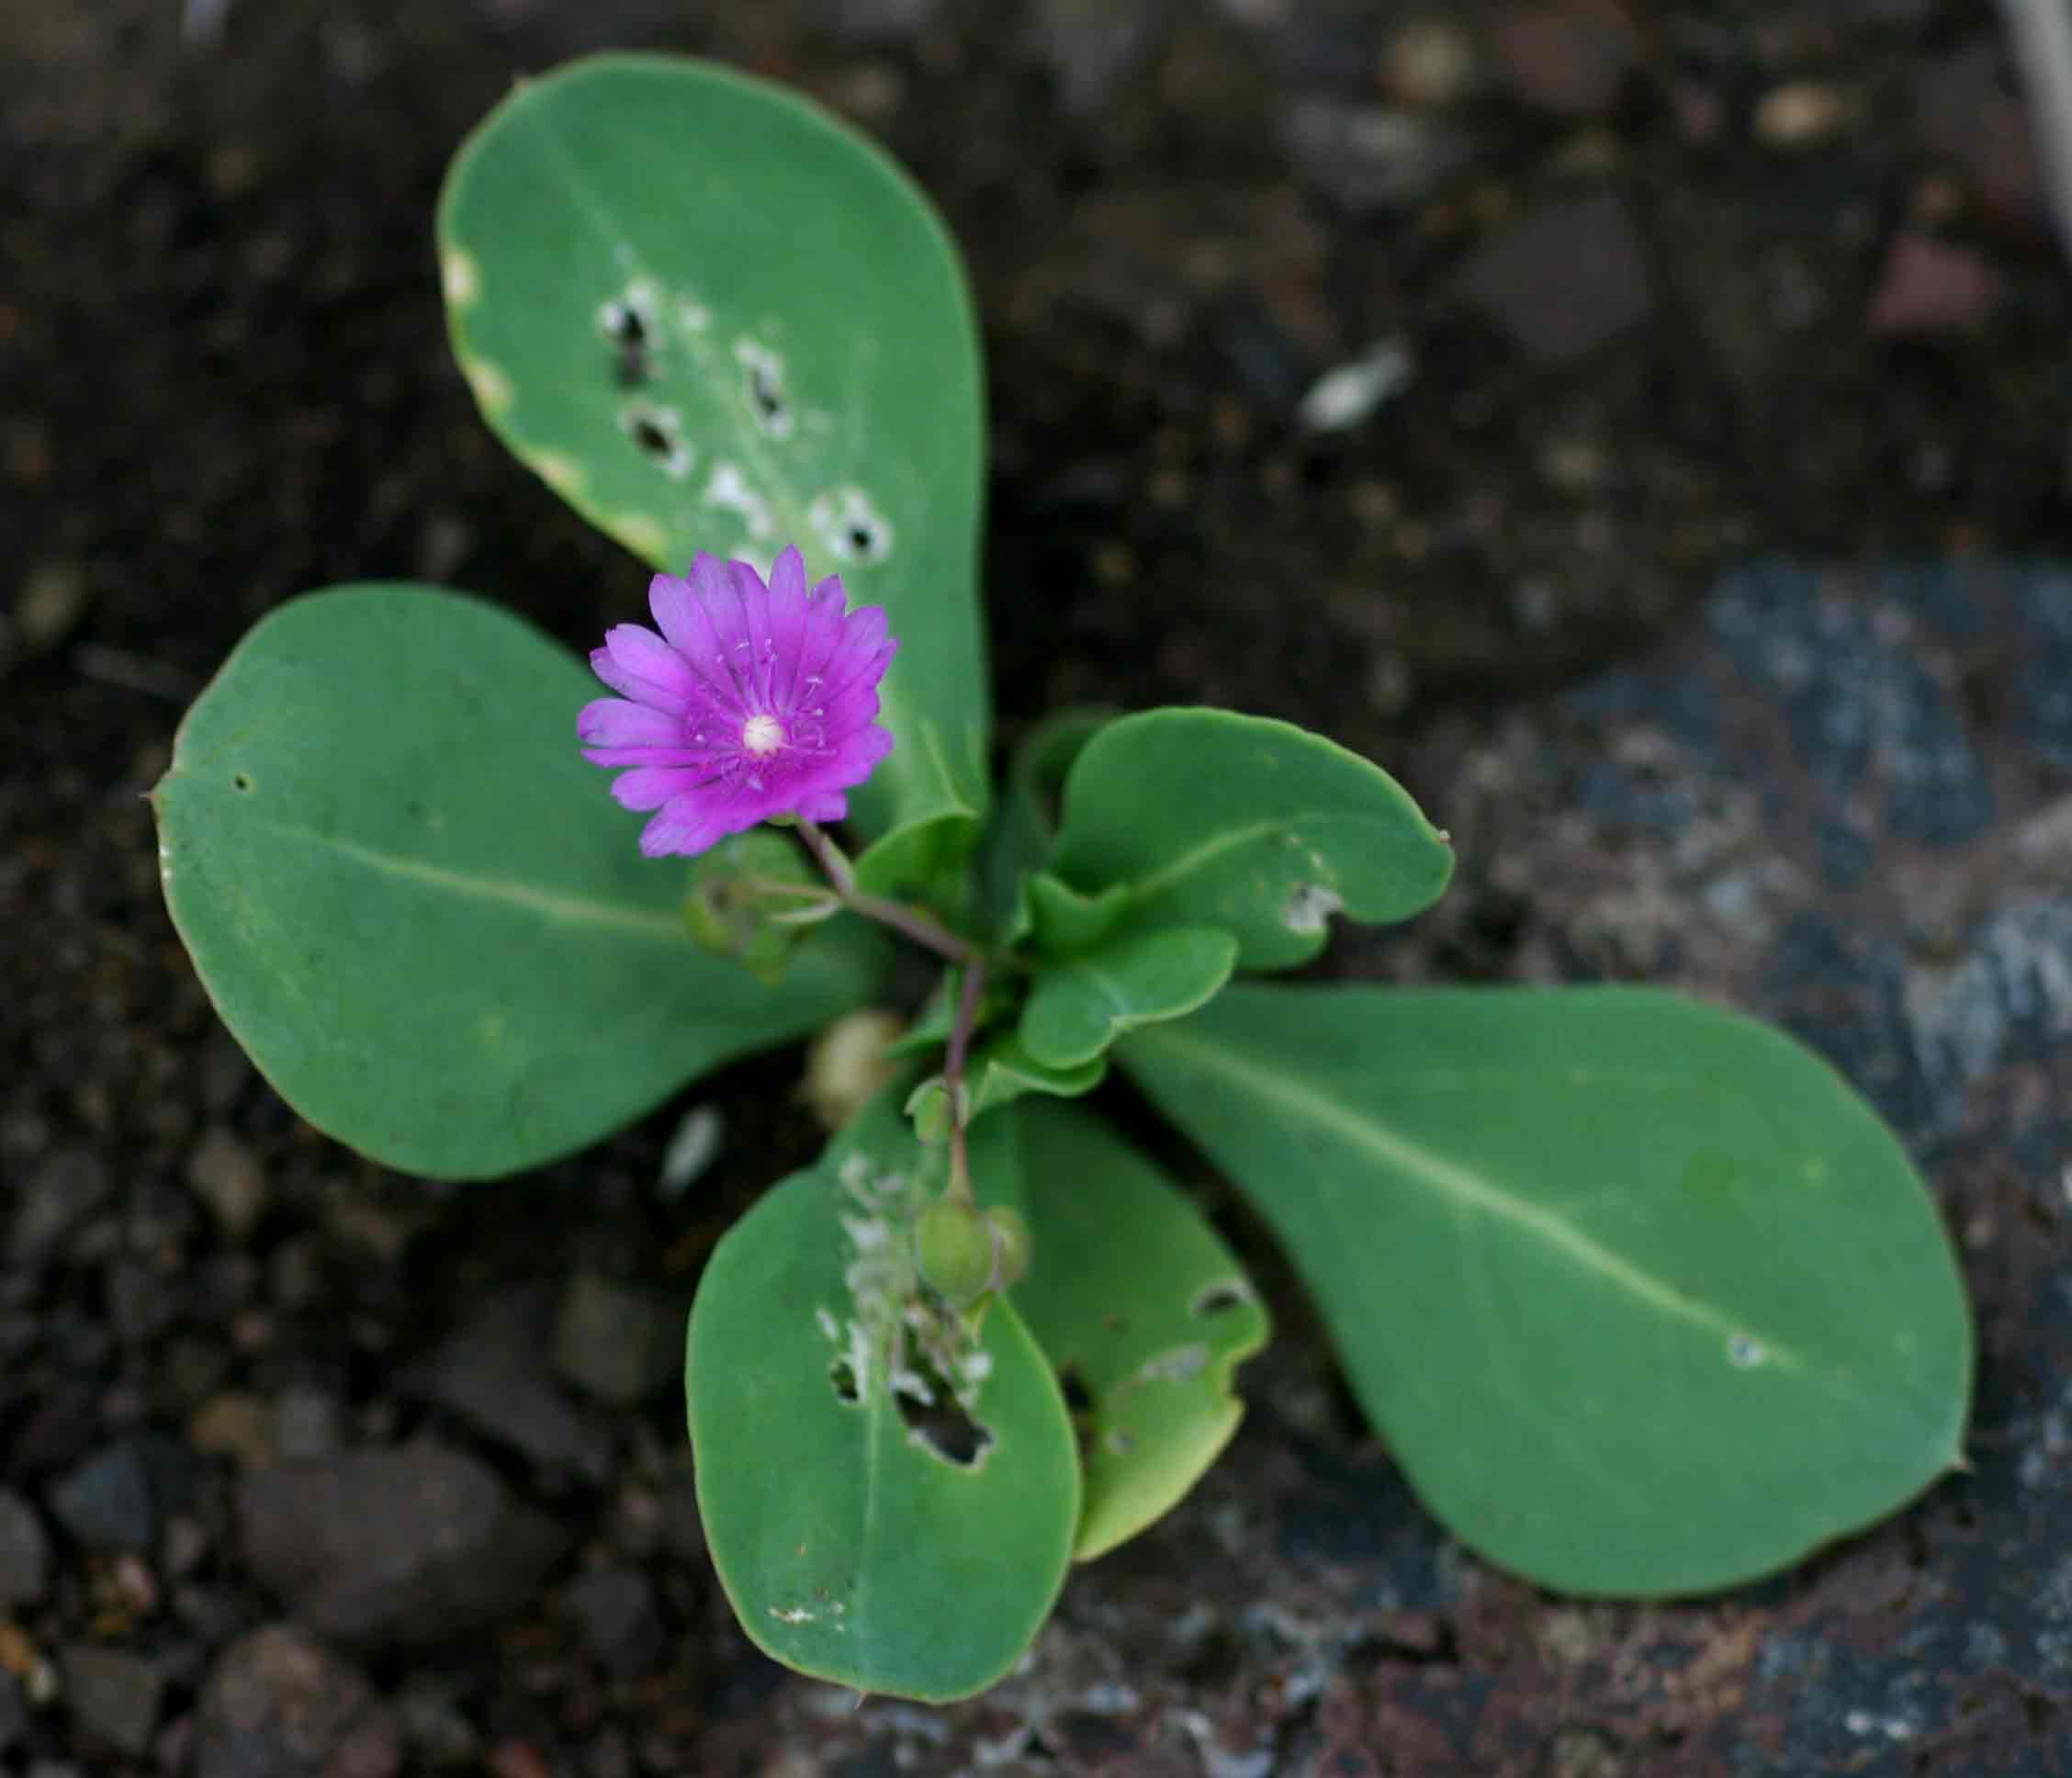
(1744, 1352)
(460, 276)
(728, 489)
(1310, 906)
(491, 386)
(763, 372)
(1181, 1365)
(852, 529)
(658, 435)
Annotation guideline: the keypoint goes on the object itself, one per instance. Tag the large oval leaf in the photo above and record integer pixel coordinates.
(1140, 1305)
(855, 1543)
(421, 913)
(1256, 826)
(1644, 1297)
(713, 318)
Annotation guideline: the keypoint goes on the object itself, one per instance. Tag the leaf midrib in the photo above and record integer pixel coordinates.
(569, 910)
(1467, 1189)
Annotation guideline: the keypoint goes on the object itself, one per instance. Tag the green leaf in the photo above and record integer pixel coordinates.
(806, 370)
(1253, 825)
(1018, 839)
(1081, 1005)
(1003, 1071)
(421, 913)
(1061, 920)
(1643, 1297)
(850, 1548)
(1136, 1299)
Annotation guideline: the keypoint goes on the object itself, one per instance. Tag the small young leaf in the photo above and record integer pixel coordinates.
(713, 317)
(862, 1537)
(1143, 1309)
(1643, 1297)
(1081, 1005)
(1061, 920)
(1003, 1071)
(1253, 825)
(415, 906)
(1018, 839)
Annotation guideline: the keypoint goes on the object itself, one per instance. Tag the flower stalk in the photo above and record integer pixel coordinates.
(932, 935)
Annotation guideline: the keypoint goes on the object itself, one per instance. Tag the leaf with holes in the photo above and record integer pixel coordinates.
(1256, 826)
(1643, 1297)
(869, 1526)
(713, 317)
(1146, 1352)
(414, 905)
(1079, 1007)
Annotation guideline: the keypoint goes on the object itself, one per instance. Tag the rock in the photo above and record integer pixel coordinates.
(405, 1548)
(1966, 115)
(1092, 46)
(1429, 63)
(24, 1553)
(65, 1185)
(435, 1728)
(875, 22)
(226, 1175)
(1567, 279)
(308, 1424)
(14, 1714)
(1570, 59)
(614, 1614)
(112, 1696)
(234, 1425)
(279, 1705)
(1933, 286)
(493, 1371)
(616, 1341)
(140, 1301)
(51, 601)
(115, 1498)
(1370, 158)
(1802, 114)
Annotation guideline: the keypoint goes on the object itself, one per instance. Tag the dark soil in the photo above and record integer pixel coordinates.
(1678, 287)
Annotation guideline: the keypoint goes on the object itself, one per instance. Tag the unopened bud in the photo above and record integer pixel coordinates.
(953, 1246)
(931, 1107)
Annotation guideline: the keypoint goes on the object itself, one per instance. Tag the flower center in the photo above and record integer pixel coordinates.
(761, 734)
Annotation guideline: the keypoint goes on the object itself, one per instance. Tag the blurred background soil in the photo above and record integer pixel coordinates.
(1646, 428)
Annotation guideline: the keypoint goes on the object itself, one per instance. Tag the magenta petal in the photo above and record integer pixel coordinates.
(612, 721)
(683, 826)
(674, 604)
(651, 660)
(825, 806)
(648, 787)
(684, 758)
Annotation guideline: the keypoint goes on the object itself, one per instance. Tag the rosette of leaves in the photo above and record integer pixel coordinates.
(1642, 1295)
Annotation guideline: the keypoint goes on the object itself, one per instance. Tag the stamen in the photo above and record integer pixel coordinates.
(762, 735)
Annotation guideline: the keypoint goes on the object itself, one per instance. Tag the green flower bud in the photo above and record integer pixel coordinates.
(953, 1246)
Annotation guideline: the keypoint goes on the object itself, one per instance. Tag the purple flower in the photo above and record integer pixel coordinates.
(754, 700)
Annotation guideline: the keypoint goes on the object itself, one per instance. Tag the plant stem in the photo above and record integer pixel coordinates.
(928, 933)
(934, 936)
(953, 1072)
